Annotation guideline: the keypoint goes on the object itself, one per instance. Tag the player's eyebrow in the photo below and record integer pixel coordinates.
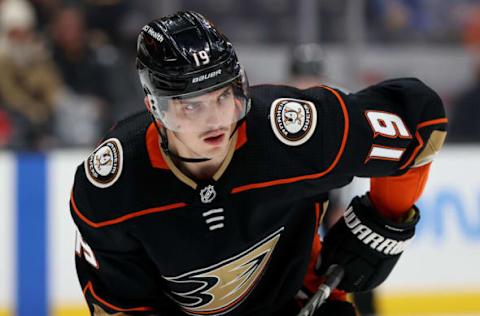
(197, 102)
(189, 102)
(227, 89)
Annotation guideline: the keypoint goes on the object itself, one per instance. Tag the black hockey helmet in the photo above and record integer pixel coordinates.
(183, 56)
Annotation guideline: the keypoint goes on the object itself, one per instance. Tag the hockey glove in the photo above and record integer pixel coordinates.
(367, 245)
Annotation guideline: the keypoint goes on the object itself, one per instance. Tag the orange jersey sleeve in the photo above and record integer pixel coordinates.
(394, 196)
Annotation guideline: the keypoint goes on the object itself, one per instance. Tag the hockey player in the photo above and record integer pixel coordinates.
(209, 201)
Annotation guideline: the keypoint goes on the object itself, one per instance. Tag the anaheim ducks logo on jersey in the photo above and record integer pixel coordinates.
(218, 289)
(293, 121)
(104, 166)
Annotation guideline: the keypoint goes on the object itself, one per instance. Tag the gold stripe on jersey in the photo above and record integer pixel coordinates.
(98, 311)
(434, 144)
(222, 287)
(179, 174)
(228, 158)
(191, 183)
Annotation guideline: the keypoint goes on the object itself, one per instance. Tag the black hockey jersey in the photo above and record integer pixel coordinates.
(153, 241)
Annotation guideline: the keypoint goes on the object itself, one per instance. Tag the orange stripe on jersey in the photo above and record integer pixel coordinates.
(89, 287)
(443, 120)
(312, 281)
(153, 148)
(242, 135)
(309, 176)
(420, 140)
(393, 197)
(125, 217)
(318, 215)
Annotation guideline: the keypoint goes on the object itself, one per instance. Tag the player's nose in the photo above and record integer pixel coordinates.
(214, 115)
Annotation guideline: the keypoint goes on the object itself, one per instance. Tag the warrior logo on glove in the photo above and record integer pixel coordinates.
(369, 237)
(367, 245)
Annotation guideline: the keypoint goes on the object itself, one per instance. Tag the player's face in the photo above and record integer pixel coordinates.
(203, 124)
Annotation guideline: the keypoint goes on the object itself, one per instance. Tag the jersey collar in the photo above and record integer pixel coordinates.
(159, 160)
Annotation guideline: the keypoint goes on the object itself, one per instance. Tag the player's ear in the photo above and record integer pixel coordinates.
(146, 100)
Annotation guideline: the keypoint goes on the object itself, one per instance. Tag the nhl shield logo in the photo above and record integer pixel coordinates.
(208, 194)
(293, 121)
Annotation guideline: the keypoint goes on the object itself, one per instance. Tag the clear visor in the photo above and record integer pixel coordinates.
(217, 107)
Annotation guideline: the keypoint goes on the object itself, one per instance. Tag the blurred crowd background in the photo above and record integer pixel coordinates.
(67, 67)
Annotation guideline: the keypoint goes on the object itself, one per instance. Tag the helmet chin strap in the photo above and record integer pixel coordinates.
(167, 151)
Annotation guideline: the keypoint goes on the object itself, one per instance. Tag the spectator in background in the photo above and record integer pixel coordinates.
(471, 29)
(29, 83)
(465, 117)
(82, 113)
(45, 10)
(113, 29)
(5, 129)
(77, 61)
(104, 19)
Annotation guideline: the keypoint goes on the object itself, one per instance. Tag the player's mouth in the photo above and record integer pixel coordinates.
(214, 138)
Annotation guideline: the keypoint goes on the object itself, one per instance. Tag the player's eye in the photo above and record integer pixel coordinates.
(225, 95)
(191, 107)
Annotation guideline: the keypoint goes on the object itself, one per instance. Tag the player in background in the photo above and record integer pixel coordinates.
(307, 70)
(209, 201)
